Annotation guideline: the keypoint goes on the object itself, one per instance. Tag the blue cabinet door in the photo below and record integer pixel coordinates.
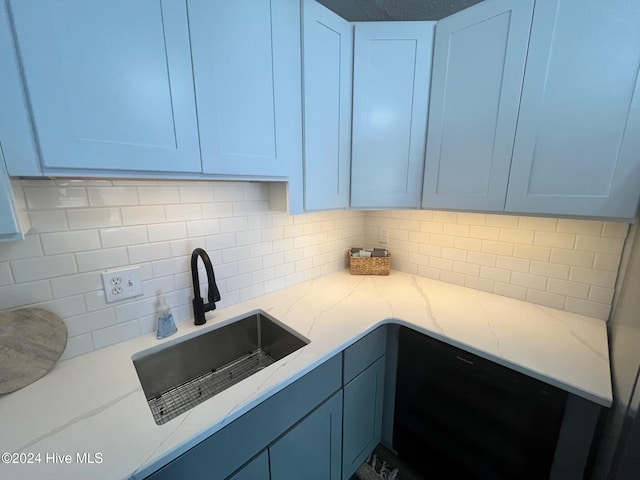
(311, 449)
(256, 469)
(362, 413)
(246, 63)
(327, 76)
(16, 130)
(578, 124)
(478, 67)
(110, 84)
(392, 69)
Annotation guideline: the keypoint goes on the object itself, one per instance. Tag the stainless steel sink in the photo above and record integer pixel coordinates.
(178, 375)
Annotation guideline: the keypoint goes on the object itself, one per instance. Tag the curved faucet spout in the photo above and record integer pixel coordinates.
(199, 307)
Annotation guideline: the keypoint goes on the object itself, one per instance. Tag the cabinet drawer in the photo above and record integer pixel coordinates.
(363, 353)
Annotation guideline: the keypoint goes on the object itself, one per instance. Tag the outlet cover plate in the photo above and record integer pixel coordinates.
(122, 284)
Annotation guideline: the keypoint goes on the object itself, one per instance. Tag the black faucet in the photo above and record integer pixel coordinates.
(199, 307)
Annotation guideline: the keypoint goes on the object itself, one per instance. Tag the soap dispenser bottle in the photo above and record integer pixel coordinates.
(166, 325)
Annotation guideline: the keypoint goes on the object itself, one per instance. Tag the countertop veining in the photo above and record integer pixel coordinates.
(94, 404)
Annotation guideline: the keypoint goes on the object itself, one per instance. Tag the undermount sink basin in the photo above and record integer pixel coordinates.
(180, 374)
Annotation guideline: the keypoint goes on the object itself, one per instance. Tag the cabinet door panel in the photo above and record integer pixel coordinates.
(392, 69)
(577, 111)
(311, 449)
(110, 83)
(246, 68)
(328, 58)
(16, 131)
(256, 469)
(478, 66)
(362, 428)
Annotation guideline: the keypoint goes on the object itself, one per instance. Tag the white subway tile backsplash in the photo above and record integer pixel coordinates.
(605, 261)
(551, 270)
(112, 196)
(538, 224)
(86, 218)
(557, 240)
(90, 322)
(585, 307)
(196, 194)
(118, 333)
(48, 221)
(182, 213)
(65, 242)
(101, 259)
(531, 252)
(497, 274)
(149, 252)
(39, 268)
(601, 294)
(159, 195)
(123, 236)
(75, 284)
(485, 233)
(572, 257)
(78, 345)
(6, 277)
(509, 290)
(545, 298)
(599, 244)
(217, 210)
(18, 295)
(615, 229)
(516, 236)
(167, 231)
(593, 276)
(155, 224)
(503, 221)
(536, 282)
(586, 227)
(570, 289)
(45, 198)
(28, 248)
(143, 215)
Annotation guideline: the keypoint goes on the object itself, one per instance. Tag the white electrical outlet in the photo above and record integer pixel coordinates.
(384, 235)
(121, 284)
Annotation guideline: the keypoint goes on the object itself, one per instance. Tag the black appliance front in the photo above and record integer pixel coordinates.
(458, 415)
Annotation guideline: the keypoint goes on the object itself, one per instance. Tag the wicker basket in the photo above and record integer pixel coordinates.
(369, 265)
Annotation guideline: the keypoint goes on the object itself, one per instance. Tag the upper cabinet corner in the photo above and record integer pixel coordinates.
(478, 66)
(327, 79)
(246, 65)
(392, 71)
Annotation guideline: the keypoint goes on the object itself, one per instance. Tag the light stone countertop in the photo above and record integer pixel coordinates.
(94, 403)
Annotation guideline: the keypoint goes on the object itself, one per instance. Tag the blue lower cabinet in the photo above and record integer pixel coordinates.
(312, 449)
(362, 428)
(256, 469)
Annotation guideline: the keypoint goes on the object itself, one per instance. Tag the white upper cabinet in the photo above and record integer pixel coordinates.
(246, 65)
(478, 67)
(327, 78)
(392, 69)
(577, 147)
(110, 84)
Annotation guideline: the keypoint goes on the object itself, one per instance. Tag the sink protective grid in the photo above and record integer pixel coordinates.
(186, 396)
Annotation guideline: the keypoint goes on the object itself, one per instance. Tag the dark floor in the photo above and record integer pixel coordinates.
(386, 455)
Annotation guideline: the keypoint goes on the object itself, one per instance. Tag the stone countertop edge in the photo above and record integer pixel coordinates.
(100, 392)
